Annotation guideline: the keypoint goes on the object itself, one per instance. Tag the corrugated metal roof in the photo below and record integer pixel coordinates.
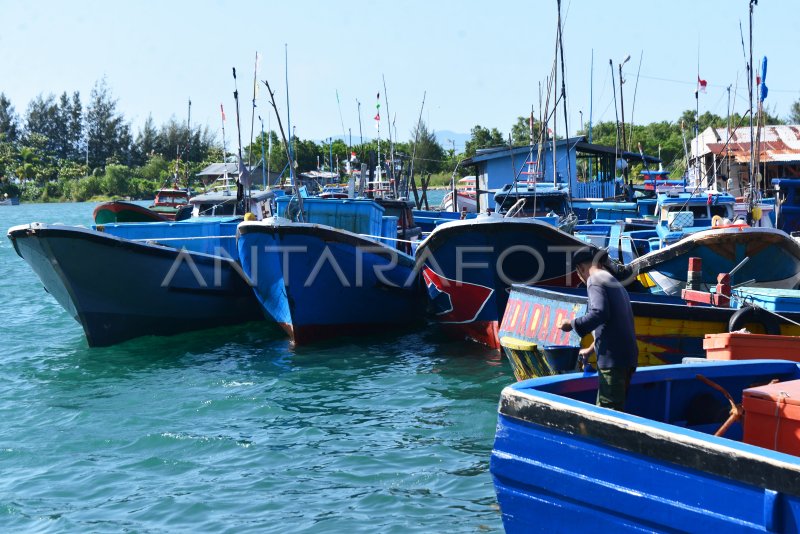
(577, 143)
(778, 144)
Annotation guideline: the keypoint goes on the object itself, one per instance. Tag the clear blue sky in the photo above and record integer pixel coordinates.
(480, 62)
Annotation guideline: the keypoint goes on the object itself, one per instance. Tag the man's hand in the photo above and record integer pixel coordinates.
(565, 325)
(583, 355)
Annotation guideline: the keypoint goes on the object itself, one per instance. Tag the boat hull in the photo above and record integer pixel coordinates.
(561, 464)
(319, 283)
(119, 289)
(667, 330)
(468, 267)
(122, 212)
(773, 259)
(466, 202)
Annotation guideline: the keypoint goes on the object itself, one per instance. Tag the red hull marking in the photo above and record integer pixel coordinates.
(483, 332)
(467, 300)
(544, 329)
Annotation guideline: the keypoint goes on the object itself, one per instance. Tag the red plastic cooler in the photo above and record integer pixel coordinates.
(772, 416)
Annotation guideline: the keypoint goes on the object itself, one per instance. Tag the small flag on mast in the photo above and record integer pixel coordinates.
(222, 110)
(701, 85)
(378, 113)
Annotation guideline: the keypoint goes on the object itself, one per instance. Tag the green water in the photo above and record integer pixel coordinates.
(232, 430)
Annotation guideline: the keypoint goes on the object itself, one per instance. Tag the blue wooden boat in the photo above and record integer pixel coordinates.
(122, 281)
(120, 211)
(561, 464)
(704, 226)
(338, 273)
(468, 267)
(667, 329)
(773, 259)
(532, 199)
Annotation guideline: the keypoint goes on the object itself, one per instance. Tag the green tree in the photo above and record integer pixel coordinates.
(481, 137)
(305, 154)
(794, 113)
(521, 131)
(146, 142)
(9, 122)
(42, 119)
(107, 132)
(70, 144)
(59, 122)
(116, 180)
(429, 155)
(27, 161)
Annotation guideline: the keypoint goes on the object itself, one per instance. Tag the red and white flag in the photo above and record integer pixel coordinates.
(222, 110)
(701, 85)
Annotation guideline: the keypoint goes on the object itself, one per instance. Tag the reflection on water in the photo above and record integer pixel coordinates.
(233, 429)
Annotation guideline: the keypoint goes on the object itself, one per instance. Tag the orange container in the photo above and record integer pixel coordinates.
(772, 416)
(751, 346)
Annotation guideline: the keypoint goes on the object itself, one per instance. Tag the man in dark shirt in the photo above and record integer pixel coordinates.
(610, 317)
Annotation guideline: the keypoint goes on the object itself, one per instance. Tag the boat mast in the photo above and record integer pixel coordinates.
(224, 150)
(244, 179)
(391, 141)
(287, 146)
(555, 102)
(616, 117)
(263, 157)
(414, 155)
(591, 101)
(288, 118)
(564, 96)
(622, 104)
(697, 124)
(752, 169)
(188, 142)
(253, 112)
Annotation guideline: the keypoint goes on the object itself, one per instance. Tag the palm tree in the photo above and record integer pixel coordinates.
(28, 159)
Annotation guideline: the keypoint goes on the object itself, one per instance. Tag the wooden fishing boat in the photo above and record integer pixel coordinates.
(122, 281)
(469, 265)
(773, 259)
(169, 202)
(466, 197)
(9, 201)
(120, 211)
(337, 273)
(561, 464)
(667, 329)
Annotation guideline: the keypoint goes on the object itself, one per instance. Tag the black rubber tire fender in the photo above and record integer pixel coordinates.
(752, 314)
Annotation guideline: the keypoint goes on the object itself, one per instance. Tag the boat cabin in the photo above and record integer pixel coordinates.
(169, 202)
(174, 198)
(225, 203)
(535, 200)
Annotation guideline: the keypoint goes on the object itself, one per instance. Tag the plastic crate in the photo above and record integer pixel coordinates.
(779, 300)
(751, 347)
(358, 216)
(772, 416)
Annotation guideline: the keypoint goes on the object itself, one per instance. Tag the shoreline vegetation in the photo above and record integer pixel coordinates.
(65, 150)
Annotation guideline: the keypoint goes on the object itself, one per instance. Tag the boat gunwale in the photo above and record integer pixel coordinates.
(687, 448)
(148, 246)
(323, 232)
